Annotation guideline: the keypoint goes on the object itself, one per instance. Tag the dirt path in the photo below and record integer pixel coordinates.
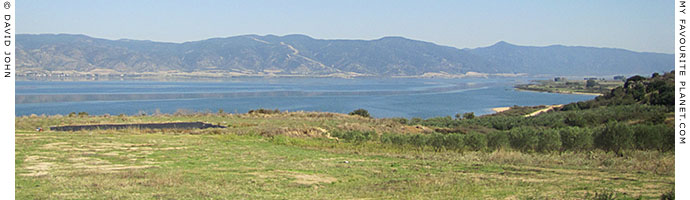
(547, 109)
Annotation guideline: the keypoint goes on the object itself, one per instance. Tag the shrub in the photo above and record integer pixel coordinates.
(505, 122)
(475, 141)
(418, 140)
(669, 141)
(446, 121)
(396, 139)
(576, 138)
(469, 115)
(604, 195)
(574, 119)
(524, 138)
(83, 114)
(549, 140)
(654, 137)
(280, 140)
(455, 141)
(437, 141)
(264, 111)
(615, 137)
(355, 136)
(360, 112)
(570, 106)
(498, 140)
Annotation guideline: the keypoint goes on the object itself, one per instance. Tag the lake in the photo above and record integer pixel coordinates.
(382, 97)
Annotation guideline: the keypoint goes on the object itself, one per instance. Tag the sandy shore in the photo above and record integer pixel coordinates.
(500, 109)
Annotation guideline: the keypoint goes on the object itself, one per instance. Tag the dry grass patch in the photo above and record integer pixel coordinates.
(60, 157)
(296, 132)
(299, 178)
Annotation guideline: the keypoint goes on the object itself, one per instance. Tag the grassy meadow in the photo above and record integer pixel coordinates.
(298, 155)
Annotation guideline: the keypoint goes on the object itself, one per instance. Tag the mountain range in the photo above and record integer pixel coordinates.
(301, 55)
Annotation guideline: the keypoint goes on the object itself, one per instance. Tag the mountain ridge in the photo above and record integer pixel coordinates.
(302, 55)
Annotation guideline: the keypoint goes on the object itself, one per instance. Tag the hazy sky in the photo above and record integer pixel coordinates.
(639, 25)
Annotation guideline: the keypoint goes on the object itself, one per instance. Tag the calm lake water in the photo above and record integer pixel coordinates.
(381, 97)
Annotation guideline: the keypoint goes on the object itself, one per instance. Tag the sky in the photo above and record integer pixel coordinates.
(638, 25)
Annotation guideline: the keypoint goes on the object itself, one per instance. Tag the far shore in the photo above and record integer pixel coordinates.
(561, 92)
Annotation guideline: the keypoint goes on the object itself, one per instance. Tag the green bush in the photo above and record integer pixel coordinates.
(280, 140)
(437, 141)
(549, 140)
(654, 137)
(576, 138)
(498, 140)
(264, 111)
(355, 136)
(455, 141)
(574, 119)
(469, 115)
(524, 138)
(399, 139)
(669, 135)
(505, 123)
(615, 137)
(360, 112)
(83, 114)
(604, 195)
(418, 140)
(476, 141)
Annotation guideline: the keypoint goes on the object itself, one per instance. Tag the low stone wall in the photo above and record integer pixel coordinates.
(172, 125)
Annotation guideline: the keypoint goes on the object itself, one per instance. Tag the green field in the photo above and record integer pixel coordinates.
(295, 156)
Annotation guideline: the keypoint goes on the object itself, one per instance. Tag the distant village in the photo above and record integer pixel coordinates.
(564, 79)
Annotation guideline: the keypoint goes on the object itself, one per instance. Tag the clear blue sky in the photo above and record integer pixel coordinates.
(639, 25)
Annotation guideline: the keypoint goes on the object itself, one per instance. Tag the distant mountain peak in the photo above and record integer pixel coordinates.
(393, 38)
(297, 36)
(503, 43)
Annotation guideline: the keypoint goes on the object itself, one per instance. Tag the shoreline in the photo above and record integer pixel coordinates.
(226, 75)
(557, 92)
